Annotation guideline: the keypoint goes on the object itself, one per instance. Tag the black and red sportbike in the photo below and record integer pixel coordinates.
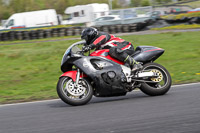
(100, 75)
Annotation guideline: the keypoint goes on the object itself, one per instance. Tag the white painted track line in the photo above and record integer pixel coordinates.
(43, 101)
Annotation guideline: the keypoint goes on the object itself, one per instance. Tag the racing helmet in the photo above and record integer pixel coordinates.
(89, 34)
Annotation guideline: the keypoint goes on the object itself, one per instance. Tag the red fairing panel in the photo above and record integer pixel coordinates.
(100, 53)
(72, 74)
(153, 50)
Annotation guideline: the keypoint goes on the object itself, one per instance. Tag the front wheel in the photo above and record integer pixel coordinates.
(74, 94)
(159, 85)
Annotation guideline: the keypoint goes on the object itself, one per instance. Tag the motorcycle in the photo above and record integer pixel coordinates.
(101, 75)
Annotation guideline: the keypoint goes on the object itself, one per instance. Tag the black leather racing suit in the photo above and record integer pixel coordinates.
(118, 48)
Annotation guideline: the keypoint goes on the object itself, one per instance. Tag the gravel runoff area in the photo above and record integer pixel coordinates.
(117, 34)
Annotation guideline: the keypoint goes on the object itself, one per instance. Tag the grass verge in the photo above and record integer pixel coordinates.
(37, 40)
(30, 72)
(181, 26)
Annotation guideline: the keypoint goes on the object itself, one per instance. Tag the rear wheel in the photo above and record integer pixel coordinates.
(74, 94)
(159, 85)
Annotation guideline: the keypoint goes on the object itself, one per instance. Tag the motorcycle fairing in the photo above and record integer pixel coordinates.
(106, 75)
(104, 53)
(147, 53)
(67, 63)
(72, 75)
(142, 54)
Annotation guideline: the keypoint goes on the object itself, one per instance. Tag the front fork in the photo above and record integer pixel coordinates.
(77, 77)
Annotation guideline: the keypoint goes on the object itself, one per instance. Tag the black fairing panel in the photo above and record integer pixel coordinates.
(147, 53)
(104, 85)
(68, 63)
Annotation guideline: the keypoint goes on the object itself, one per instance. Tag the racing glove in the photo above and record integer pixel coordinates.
(87, 48)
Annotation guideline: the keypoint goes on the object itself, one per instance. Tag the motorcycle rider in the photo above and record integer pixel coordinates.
(118, 48)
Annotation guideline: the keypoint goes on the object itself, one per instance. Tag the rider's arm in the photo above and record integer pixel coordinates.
(100, 40)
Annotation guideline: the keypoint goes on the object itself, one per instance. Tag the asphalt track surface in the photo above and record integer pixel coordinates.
(176, 112)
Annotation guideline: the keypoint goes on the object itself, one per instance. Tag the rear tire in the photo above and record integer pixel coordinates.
(160, 88)
(74, 95)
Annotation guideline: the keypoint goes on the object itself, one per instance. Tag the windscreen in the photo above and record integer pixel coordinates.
(73, 49)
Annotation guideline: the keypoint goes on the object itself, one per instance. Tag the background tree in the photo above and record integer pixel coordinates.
(145, 3)
(4, 10)
(135, 3)
(9, 7)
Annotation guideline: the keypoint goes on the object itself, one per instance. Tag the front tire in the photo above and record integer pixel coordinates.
(72, 94)
(162, 82)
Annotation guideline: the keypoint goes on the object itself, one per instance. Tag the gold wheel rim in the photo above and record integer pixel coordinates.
(159, 74)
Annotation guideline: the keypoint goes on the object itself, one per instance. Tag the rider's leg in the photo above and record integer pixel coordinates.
(122, 55)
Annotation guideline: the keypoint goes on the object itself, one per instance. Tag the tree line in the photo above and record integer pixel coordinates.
(9, 7)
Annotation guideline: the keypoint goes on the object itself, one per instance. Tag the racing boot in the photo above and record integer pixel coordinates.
(134, 65)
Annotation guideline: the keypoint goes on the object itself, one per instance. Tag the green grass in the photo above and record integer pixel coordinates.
(31, 71)
(194, 4)
(37, 40)
(182, 53)
(180, 26)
